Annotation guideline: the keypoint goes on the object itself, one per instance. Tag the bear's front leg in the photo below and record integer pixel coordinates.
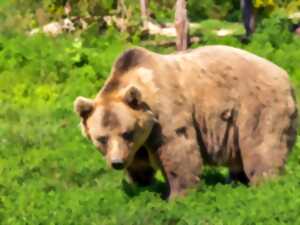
(140, 171)
(180, 161)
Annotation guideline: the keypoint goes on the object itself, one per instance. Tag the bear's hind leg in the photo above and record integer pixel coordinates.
(140, 171)
(258, 168)
(264, 161)
(265, 140)
(263, 157)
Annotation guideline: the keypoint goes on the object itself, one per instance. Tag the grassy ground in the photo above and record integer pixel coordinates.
(49, 174)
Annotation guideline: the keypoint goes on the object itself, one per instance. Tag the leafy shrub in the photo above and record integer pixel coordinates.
(215, 9)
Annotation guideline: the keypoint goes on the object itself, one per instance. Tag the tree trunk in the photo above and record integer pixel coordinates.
(181, 25)
(248, 16)
(144, 12)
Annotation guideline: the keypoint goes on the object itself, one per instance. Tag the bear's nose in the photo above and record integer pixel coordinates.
(117, 164)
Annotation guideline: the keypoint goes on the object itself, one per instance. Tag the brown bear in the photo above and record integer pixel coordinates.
(214, 105)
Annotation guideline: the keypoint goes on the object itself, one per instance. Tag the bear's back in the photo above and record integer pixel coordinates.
(222, 67)
(206, 71)
(219, 60)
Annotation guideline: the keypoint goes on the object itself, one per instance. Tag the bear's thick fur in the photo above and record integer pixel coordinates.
(214, 105)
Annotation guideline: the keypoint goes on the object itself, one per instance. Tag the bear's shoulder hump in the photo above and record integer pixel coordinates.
(130, 59)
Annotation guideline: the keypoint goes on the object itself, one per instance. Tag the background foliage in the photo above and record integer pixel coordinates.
(49, 174)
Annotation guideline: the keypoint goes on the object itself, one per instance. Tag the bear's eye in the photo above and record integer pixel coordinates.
(128, 135)
(102, 140)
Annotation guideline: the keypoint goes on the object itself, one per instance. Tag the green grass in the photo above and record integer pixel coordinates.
(50, 174)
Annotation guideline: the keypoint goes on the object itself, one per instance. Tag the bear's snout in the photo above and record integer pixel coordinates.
(117, 164)
(117, 155)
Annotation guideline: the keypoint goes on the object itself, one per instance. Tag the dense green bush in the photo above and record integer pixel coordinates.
(216, 9)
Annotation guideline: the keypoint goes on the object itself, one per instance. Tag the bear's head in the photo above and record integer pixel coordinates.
(117, 125)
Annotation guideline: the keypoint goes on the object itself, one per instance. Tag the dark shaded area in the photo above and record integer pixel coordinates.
(213, 177)
(210, 177)
(239, 177)
(110, 119)
(128, 60)
(157, 187)
(181, 131)
(156, 138)
(141, 171)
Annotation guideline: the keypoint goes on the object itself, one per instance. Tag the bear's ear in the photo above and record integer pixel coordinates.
(133, 97)
(83, 106)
